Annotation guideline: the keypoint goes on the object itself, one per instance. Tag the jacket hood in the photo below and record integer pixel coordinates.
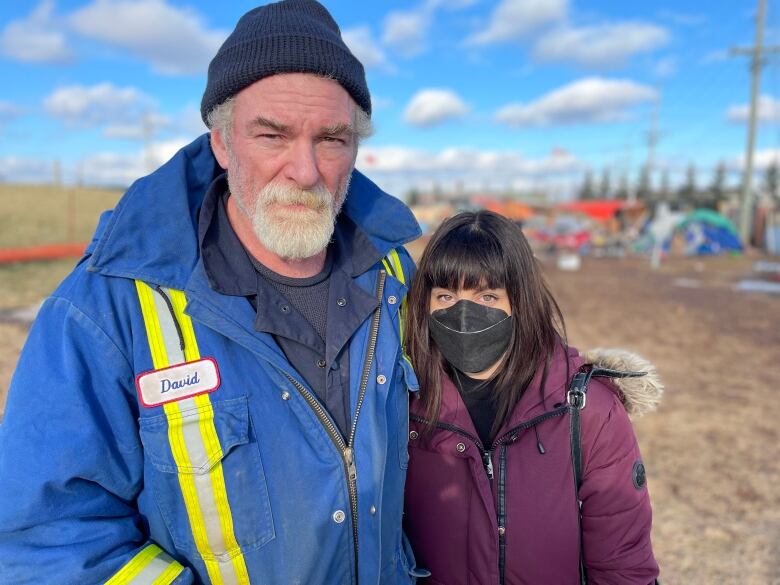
(639, 395)
(152, 233)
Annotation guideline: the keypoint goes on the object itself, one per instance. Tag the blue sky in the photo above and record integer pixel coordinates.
(501, 94)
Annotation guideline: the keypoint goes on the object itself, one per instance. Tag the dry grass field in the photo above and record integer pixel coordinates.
(711, 450)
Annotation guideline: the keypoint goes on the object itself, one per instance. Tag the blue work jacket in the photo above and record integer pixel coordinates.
(91, 485)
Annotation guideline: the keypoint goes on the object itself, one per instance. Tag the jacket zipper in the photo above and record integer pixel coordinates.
(487, 458)
(347, 448)
(487, 462)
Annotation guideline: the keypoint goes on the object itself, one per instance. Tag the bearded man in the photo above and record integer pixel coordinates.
(217, 394)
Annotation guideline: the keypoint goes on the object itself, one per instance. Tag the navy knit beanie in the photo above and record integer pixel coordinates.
(292, 36)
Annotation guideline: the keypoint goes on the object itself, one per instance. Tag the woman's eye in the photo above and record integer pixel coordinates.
(489, 298)
(444, 298)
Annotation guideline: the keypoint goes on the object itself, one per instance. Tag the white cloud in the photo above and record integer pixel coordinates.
(174, 40)
(398, 169)
(768, 111)
(367, 50)
(666, 67)
(602, 46)
(26, 170)
(9, 111)
(514, 20)
(762, 159)
(589, 100)
(144, 128)
(430, 107)
(36, 39)
(405, 32)
(89, 106)
(110, 168)
(467, 161)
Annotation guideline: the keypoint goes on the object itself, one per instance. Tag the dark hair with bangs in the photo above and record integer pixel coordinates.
(474, 250)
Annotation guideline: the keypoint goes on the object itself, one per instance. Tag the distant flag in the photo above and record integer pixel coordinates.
(558, 152)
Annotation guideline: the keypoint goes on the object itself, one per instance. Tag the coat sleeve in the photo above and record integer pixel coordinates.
(71, 462)
(616, 512)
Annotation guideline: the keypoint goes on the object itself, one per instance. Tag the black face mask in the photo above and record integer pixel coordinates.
(470, 336)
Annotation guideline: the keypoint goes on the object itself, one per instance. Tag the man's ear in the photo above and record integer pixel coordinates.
(219, 148)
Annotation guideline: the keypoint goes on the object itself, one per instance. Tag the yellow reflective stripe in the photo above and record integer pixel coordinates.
(167, 577)
(214, 453)
(152, 323)
(211, 447)
(399, 269)
(210, 440)
(398, 272)
(189, 491)
(387, 266)
(148, 561)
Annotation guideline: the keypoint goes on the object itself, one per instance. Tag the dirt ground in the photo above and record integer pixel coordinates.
(712, 448)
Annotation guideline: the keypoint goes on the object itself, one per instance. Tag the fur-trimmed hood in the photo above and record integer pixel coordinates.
(639, 395)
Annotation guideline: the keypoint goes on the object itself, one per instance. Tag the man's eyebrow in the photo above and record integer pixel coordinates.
(337, 128)
(270, 124)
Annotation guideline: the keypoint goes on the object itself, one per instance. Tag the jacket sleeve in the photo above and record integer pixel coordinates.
(616, 512)
(71, 462)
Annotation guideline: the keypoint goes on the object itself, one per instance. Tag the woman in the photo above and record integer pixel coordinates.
(490, 490)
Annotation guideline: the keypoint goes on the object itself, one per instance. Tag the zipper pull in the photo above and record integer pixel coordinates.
(349, 458)
(487, 461)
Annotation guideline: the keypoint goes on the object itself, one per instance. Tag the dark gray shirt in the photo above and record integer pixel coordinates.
(319, 362)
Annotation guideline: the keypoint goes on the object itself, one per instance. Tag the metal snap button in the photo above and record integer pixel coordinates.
(321, 363)
(501, 531)
(372, 510)
(285, 395)
(342, 302)
(413, 434)
(392, 300)
(380, 379)
(339, 516)
(460, 447)
(285, 308)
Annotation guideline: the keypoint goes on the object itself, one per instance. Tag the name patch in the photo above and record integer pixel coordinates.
(177, 382)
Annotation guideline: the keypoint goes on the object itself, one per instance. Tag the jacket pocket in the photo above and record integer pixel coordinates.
(408, 391)
(203, 463)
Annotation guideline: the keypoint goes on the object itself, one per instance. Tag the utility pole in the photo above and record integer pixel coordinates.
(652, 140)
(148, 132)
(756, 63)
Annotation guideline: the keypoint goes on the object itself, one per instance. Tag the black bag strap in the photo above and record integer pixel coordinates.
(576, 398)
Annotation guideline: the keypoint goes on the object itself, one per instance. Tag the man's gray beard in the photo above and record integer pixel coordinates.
(292, 234)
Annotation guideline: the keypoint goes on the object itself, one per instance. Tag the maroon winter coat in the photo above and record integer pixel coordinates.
(521, 527)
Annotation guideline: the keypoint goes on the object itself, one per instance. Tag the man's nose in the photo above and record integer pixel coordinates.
(302, 165)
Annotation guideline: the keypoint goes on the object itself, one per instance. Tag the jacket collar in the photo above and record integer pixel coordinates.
(152, 235)
(453, 411)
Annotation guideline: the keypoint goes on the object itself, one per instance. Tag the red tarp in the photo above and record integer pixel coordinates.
(51, 252)
(598, 209)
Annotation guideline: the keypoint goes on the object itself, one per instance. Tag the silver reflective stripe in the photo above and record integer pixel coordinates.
(196, 449)
(150, 574)
(168, 330)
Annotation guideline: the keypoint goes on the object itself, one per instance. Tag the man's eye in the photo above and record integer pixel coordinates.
(270, 136)
(333, 140)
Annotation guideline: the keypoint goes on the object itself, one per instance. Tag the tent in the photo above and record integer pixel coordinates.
(706, 232)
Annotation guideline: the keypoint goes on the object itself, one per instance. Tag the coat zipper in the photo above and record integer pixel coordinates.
(487, 462)
(347, 448)
(486, 454)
